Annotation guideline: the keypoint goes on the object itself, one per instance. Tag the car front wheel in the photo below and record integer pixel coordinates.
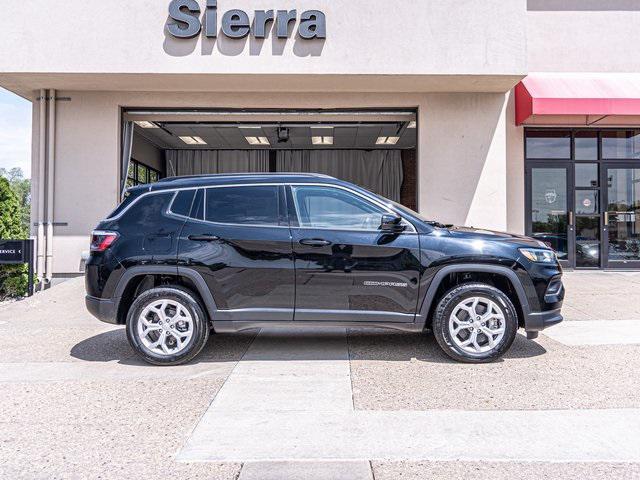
(167, 326)
(475, 323)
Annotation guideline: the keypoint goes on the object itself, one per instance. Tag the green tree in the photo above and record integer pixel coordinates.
(13, 278)
(22, 188)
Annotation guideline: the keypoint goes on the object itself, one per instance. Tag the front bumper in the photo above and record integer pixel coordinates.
(104, 310)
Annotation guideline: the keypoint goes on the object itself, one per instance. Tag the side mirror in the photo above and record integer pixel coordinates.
(391, 223)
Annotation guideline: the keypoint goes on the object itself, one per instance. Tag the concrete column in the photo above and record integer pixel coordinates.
(462, 164)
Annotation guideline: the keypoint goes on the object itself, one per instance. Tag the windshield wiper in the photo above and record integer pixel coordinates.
(433, 223)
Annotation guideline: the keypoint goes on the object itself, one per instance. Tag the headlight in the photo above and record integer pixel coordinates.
(539, 255)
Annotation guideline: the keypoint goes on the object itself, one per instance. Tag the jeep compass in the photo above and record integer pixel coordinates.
(188, 256)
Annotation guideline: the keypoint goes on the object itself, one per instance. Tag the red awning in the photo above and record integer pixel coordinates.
(577, 94)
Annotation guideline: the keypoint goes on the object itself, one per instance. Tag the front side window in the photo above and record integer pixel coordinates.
(243, 205)
(333, 208)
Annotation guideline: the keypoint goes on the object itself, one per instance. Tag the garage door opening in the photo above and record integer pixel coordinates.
(376, 150)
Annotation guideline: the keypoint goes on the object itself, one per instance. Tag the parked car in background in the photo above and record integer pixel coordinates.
(225, 253)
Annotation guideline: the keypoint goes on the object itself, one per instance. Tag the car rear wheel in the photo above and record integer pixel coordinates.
(475, 323)
(167, 326)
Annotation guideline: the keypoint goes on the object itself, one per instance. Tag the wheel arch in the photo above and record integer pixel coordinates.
(135, 277)
(431, 297)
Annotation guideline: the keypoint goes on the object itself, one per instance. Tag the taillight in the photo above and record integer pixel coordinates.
(101, 240)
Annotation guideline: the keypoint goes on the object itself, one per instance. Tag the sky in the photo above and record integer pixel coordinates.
(15, 132)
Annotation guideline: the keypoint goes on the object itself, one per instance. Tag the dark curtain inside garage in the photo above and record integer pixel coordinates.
(377, 170)
(203, 162)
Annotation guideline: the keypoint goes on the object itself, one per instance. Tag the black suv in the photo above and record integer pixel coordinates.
(232, 252)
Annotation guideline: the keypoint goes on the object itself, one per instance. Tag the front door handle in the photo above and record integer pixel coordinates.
(315, 242)
(204, 238)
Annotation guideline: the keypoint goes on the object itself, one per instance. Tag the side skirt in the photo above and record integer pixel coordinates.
(239, 326)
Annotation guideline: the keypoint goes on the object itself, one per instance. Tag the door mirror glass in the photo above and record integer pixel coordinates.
(391, 223)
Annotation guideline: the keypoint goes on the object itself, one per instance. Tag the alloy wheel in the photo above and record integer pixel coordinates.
(477, 325)
(165, 327)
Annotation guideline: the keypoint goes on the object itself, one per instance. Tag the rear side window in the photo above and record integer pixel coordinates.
(182, 203)
(246, 205)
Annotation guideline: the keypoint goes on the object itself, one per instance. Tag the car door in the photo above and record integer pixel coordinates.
(237, 238)
(347, 269)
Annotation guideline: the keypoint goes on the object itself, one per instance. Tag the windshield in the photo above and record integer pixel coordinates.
(407, 210)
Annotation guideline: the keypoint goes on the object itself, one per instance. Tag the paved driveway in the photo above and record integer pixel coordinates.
(76, 403)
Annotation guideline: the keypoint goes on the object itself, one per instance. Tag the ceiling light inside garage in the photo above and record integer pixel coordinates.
(412, 124)
(387, 140)
(146, 124)
(258, 140)
(193, 140)
(322, 140)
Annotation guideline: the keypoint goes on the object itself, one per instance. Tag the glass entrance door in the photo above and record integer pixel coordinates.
(622, 215)
(586, 183)
(550, 208)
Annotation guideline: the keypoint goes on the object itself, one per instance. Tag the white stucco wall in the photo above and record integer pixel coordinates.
(463, 159)
(474, 37)
(583, 36)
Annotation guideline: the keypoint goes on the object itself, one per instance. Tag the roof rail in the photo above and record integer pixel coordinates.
(256, 174)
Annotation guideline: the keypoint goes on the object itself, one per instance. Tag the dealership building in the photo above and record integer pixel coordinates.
(512, 115)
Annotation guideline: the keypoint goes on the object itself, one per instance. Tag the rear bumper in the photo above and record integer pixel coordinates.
(104, 310)
(538, 321)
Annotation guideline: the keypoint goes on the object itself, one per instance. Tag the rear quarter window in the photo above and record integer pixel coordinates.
(129, 197)
(146, 210)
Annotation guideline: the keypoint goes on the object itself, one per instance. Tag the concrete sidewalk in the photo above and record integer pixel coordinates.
(599, 295)
(295, 386)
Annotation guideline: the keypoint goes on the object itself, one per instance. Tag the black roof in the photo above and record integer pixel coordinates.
(231, 178)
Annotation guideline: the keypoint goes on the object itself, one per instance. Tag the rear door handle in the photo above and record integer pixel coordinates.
(204, 238)
(315, 242)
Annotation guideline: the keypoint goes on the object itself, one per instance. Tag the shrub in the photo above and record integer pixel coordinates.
(13, 278)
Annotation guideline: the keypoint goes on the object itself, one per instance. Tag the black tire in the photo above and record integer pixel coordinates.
(446, 306)
(189, 301)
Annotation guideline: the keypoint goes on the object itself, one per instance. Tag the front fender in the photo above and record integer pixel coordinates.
(515, 280)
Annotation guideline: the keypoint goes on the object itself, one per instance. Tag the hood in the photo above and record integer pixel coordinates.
(492, 235)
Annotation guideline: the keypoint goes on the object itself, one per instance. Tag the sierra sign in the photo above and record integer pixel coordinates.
(236, 23)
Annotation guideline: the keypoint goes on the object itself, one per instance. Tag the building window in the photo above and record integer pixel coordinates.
(139, 174)
(621, 144)
(548, 144)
